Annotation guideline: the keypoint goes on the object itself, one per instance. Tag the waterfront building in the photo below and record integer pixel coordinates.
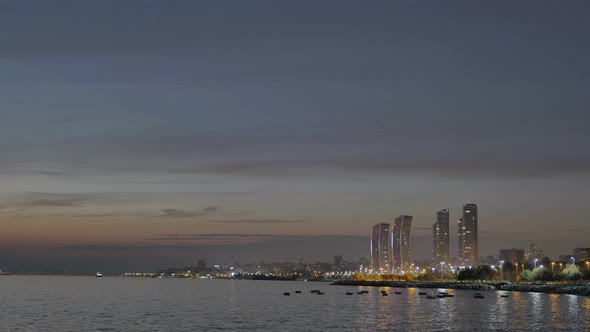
(440, 238)
(535, 253)
(512, 255)
(468, 237)
(581, 254)
(402, 258)
(381, 248)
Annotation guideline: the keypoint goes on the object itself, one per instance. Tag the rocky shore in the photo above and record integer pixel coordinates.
(582, 290)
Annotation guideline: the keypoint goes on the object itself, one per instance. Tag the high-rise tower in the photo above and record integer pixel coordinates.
(467, 233)
(440, 238)
(401, 243)
(381, 253)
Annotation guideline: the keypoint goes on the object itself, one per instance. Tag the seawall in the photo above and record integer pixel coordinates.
(582, 290)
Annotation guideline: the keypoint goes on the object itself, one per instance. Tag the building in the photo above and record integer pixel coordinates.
(512, 255)
(381, 250)
(468, 243)
(402, 258)
(535, 253)
(581, 254)
(440, 238)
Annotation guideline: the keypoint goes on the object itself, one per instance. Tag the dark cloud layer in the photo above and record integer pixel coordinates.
(255, 221)
(175, 213)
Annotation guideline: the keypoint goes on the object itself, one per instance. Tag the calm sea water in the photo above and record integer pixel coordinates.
(126, 304)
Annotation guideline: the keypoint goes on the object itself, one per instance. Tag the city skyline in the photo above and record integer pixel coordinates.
(145, 133)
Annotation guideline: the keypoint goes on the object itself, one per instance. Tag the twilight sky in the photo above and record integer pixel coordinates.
(147, 134)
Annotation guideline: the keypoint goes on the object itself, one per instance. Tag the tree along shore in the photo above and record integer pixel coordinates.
(574, 289)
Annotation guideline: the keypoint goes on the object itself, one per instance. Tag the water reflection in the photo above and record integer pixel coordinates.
(573, 306)
(536, 305)
(498, 315)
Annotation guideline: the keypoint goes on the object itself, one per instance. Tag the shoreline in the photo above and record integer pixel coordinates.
(581, 290)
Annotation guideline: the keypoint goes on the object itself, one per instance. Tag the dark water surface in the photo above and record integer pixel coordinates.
(127, 304)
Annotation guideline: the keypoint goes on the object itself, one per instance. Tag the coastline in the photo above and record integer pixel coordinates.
(581, 290)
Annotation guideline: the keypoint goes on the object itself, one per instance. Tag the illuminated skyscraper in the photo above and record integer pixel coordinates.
(401, 243)
(440, 238)
(467, 232)
(381, 255)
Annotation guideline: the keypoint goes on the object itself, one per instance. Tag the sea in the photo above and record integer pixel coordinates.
(68, 303)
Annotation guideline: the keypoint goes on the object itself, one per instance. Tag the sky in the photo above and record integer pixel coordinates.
(151, 134)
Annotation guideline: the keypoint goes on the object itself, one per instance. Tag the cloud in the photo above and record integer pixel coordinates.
(176, 213)
(105, 215)
(37, 199)
(256, 221)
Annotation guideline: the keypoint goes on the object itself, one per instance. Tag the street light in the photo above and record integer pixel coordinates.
(573, 260)
(552, 264)
(535, 264)
(501, 271)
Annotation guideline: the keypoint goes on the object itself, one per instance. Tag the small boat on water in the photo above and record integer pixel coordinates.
(421, 293)
(365, 291)
(99, 274)
(297, 292)
(360, 293)
(319, 293)
(478, 295)
(397, 292)
(349, 293)
(287, 294)
(315, 291)
(384, 294)
(503, 295)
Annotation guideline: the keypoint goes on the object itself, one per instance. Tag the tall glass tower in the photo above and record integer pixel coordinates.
(402, 257)
(440, 238)
(381, 253)
(467, 236)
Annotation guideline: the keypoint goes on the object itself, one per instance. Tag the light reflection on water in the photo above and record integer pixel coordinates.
(80, 304)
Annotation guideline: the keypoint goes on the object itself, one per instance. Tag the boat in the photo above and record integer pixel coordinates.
(349, 293)
(384, 294)
(297, 292)
(287, 294)
(397, 292)
(99, 274)
(478, 295)
(365, 291)
(421, 293)
(319, 293)
(360, 293)
(503, 295)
